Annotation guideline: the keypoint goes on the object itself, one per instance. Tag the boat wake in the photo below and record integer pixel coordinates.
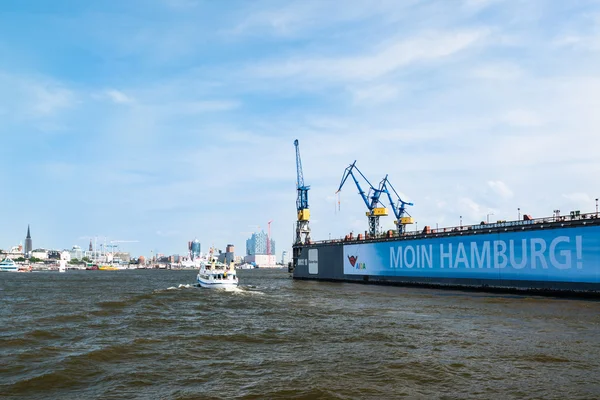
(181, 286)
(246, 291)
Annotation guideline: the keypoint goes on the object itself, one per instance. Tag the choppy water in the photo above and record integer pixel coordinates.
(138, 335)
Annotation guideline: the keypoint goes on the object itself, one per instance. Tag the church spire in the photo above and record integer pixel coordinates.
(28, 244)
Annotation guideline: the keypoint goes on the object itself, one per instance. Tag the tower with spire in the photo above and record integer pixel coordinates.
(28, 244)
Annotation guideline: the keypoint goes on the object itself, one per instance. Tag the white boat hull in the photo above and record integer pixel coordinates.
(217, 278)
(8, 265)
(225, 284)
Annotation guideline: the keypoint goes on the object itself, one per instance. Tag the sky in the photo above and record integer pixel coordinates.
(160, 121)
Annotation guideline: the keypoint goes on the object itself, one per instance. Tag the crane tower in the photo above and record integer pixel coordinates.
(302, 226)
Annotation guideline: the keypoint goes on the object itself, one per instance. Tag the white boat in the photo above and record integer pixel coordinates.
(8, 265)
(190, 264)
(217, 276)
(246, 266)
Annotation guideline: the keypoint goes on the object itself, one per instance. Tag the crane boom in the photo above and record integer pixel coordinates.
(299, 174)
(397, 206)
(347, 173)
(302, 200)
(371, 200)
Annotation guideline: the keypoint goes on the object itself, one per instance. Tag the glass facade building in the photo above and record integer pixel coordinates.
(257, 244)
(195, 249)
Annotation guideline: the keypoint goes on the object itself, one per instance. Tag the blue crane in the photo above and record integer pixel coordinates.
(398, 206)
(371, 200)
(302, 226)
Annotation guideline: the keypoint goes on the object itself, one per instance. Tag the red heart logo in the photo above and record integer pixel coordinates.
(352, 260)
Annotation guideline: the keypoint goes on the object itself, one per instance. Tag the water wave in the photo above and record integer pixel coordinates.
(140, 334)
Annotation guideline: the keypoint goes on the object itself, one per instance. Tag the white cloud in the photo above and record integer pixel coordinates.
(470, 210)
(375, 95)
(48, 99)
(579, 42)
(118, 97)
(308, 16)
(499, 71)
(479, 4)
(36, 100)
(501, 189)
(386, 59)
(194, 107)
(522, 118)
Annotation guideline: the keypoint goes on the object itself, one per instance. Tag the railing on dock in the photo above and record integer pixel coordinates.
(575, 218)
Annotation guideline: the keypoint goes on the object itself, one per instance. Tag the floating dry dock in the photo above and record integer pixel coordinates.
(554, 255)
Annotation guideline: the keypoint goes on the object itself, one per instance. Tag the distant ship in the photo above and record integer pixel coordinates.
(8, 265)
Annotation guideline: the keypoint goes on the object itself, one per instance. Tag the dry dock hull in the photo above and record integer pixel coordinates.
(552, 259)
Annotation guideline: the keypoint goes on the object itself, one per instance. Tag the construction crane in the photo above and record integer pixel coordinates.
(302, 226)
(269, 239)
(371, 199)
(398, 206)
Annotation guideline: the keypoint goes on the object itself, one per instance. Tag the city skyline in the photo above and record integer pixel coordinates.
(179, 121)
(98, 245)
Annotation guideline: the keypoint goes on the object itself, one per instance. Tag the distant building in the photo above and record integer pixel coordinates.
(257, 244)
(76, 253)
(121, 257)
(229, 255)
(65, 256)
(41, 254)
(14, 253)
(28, 244)
(195, 249)
(262, 261)
(54, 254)
(256, 250)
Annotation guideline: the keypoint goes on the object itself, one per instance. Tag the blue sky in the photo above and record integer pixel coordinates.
(164, 120)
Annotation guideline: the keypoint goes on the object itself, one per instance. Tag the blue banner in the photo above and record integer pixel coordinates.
(561, 255)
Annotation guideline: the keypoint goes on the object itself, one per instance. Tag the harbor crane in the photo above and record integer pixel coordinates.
(398, 206)
(371, 199)
(302, 226)
(269, 238)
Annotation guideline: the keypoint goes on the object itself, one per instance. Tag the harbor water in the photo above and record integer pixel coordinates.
(150, 334)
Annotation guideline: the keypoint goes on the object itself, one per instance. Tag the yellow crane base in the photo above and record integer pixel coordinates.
(304, 215)
(380, 212)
